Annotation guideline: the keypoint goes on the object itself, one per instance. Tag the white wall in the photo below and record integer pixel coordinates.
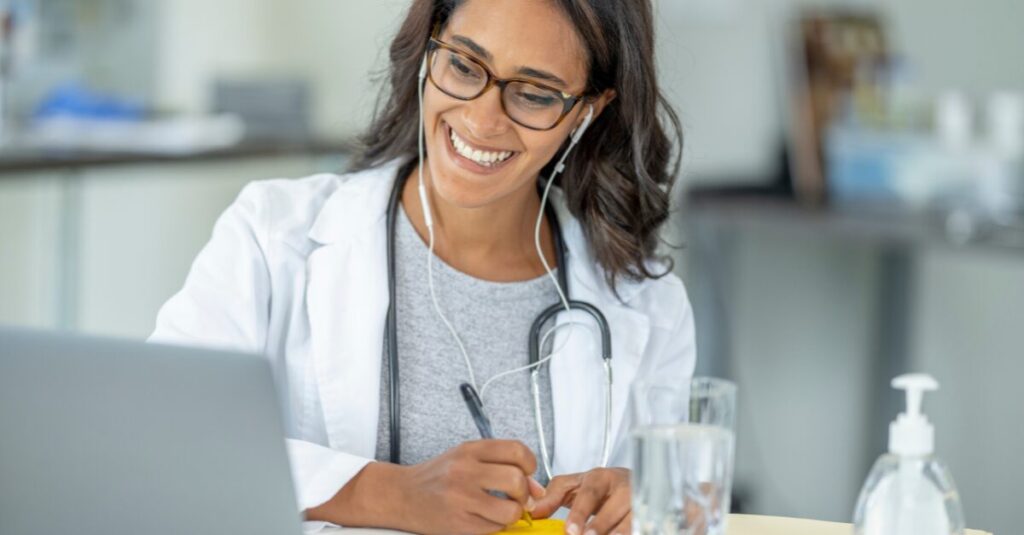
(716, 67)
(199, 39)
(339, 45)
(335, 44)
(974, 46)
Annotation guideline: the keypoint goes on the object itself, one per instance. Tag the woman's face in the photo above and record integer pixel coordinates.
(509, 37)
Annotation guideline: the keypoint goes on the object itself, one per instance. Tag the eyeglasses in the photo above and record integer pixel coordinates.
(530, 104)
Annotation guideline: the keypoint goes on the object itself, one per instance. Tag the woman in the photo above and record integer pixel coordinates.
(442, 240)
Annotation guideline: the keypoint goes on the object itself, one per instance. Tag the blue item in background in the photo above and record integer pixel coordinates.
(75, 100)
(865, 166)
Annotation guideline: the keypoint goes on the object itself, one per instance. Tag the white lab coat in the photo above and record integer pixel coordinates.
(296, 270)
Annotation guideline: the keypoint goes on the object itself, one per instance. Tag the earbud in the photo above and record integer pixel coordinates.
(578, 132)
(574, 138)
(422, 188)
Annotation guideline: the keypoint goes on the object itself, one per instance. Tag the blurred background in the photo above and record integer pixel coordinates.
(851, 204)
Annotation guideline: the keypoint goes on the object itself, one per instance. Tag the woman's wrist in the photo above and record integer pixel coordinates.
(372, 498)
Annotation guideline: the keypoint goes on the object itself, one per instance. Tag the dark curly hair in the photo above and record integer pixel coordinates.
(618, 179)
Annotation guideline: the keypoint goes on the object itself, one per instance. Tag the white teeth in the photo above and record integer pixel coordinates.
(485, 158)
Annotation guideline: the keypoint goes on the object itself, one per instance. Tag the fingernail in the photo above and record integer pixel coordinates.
(530, 504)
(590, 532)
(574, 529)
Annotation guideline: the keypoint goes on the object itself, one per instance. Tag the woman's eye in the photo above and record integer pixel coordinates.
(536, 99)
(463, 68)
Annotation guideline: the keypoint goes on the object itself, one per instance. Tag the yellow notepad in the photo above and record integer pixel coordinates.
(545, 526)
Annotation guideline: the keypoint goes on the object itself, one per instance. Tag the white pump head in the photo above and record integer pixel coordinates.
(911, 434)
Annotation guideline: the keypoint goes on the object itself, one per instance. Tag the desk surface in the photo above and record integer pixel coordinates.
(738, 525)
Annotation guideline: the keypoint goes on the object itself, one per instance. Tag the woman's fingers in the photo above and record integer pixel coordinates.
(611, 511)
(625, 526)
(603, 493)
(507, 479)
(498, 510)
(479, 524)
(589, 496)
(558, 493)
(511, 452)
(536, 493)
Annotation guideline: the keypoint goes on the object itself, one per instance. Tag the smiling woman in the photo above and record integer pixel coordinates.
(514, 180)
(617, 180)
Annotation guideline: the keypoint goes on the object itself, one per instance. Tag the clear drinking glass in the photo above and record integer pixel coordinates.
(683, 444)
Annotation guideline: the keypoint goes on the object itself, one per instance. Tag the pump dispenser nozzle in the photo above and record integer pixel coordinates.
(911, 434)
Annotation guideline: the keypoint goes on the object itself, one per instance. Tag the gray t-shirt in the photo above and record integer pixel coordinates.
(493, 320)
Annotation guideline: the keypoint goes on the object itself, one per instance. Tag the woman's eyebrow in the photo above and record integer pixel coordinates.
(527, 71)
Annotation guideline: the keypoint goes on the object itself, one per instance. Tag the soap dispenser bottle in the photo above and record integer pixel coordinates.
(910, 491)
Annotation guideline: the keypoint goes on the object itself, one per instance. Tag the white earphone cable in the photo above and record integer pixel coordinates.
(430, 232)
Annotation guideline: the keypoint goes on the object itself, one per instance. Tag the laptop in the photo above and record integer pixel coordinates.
(114, 437)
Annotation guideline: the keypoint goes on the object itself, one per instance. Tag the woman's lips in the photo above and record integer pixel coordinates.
(469, 164)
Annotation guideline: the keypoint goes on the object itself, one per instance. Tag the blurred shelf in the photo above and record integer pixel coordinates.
(20, 160)
(870, 224)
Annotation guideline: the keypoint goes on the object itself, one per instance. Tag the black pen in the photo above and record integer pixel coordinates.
(483, 424)
(476, 408)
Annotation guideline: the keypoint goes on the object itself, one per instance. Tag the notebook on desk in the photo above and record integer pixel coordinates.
(111, 437)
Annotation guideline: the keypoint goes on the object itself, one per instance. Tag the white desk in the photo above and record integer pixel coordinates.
(738, 525)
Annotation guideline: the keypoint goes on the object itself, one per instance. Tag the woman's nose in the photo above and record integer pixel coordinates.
(484, 116)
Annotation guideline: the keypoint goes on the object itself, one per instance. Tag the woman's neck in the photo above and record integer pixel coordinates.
(492, 243)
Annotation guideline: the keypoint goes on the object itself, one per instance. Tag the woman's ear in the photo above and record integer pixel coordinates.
(599, 102)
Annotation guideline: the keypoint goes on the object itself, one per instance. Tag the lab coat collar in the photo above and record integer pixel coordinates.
(344, 213)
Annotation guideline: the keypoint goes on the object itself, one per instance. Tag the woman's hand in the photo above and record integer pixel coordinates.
(447, 494)
(601, 492)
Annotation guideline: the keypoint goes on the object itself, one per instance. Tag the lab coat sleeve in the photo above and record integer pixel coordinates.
(319, 473)
(224, 304)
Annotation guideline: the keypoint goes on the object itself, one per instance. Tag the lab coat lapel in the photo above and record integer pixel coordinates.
(347, 302)
(577, 375)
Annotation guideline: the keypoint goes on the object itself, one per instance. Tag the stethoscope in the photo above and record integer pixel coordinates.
(535, 340)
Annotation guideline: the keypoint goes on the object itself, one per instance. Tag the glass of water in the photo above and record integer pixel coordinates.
(683, 444)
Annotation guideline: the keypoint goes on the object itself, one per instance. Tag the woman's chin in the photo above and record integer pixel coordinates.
(463, 193)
